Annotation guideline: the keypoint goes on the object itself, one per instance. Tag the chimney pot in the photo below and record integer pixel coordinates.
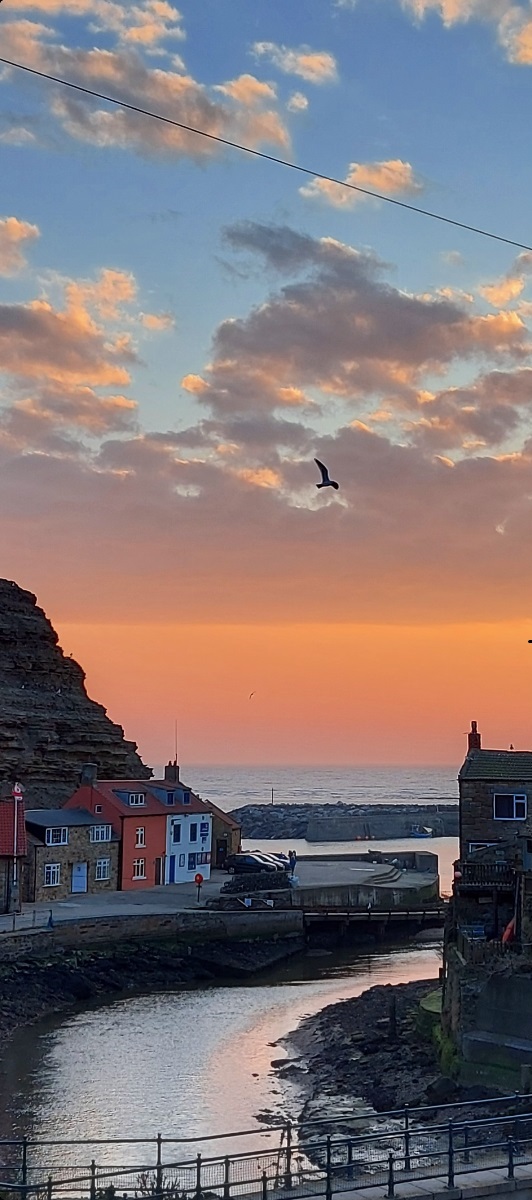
(171, 772)
(473, 738)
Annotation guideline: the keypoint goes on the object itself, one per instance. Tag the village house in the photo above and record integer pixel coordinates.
(12, 848)
(69, 852)
(487, 996)
(164, 829)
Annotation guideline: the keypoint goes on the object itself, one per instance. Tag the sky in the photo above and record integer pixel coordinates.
(184, 327)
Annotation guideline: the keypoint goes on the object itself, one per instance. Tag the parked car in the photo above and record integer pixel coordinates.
(281, 859)
(240, 864)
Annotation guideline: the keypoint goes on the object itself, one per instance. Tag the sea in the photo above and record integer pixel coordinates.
(233, 786)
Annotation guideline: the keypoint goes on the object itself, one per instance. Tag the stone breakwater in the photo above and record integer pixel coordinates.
(345, 822)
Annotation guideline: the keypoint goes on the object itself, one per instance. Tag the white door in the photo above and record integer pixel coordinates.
(79, 877)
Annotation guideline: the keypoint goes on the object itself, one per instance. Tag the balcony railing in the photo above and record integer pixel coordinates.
(481, 875)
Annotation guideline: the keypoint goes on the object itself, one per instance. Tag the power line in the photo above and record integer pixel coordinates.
(282, 162)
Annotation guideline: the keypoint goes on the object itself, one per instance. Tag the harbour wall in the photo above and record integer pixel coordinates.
(345, 822)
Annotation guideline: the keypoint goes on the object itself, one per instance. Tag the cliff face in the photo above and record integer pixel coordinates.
(48, 725)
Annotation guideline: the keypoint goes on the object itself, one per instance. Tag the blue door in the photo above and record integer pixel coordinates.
(171, 869)
(79, 877)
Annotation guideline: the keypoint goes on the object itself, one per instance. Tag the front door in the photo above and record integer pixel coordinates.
(171, 869)
(221, 852)
(79, 877)
(158, 871)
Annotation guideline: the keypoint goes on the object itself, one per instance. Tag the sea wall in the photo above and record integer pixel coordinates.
(345, 822)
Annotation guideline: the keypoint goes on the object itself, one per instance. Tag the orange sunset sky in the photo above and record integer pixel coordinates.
(185, 327)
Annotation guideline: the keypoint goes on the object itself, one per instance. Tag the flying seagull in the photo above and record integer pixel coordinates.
(251, 694)
(325, 480)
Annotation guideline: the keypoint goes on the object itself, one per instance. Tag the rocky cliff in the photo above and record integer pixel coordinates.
(49, 727)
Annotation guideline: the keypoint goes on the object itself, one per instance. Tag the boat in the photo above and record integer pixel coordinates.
(420, 831)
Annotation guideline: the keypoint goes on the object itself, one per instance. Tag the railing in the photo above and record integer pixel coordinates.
(494, 874)
(307, 1160)
(477, 949)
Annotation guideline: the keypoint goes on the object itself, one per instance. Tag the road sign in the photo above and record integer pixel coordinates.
(198, 879)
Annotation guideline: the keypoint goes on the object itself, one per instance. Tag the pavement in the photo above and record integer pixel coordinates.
(181, 897)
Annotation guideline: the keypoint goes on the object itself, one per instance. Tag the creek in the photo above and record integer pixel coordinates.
(186, 1063)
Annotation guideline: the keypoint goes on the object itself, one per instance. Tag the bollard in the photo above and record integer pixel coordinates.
(264, 1185)
(407, 1139)
(197, 1193)
(159, 1168)
(93, 1181)
(288, 1176)
(328, 1171)
(450, 1163)
(391, 1181)
(510, 1158)
(227, 1177)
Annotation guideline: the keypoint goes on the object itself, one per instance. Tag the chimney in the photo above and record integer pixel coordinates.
(89, 775)
(473, 738)
(171, 772)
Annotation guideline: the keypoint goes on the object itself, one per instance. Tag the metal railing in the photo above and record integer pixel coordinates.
(492, 874)
(305, 1160)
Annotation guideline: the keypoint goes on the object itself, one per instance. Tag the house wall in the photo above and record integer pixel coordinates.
(79, 849)
(88, 799)
(180, 867)
(154, 849)
(226, 835)
(477, 823)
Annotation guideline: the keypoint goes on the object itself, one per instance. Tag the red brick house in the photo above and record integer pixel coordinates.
(13, 846)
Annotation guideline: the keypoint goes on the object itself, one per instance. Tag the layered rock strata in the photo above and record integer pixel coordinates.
(49, 727)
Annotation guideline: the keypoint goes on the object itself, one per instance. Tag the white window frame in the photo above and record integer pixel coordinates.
(50, 868)
(516, 797)
(474, 846)
(98, 808)
(137, 799)
(140, 837)
(102, 873)
(139, 868)
(100, 833)
(62, 840)
(193, 825)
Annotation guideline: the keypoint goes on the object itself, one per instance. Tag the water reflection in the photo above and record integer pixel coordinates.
(186, 1063)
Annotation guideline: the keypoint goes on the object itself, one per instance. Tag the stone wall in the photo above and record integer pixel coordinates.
(345, 822)
(185, 927)
(476, 803)
(49, 728)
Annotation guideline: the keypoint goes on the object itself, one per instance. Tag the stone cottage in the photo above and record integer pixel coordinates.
(70, 852)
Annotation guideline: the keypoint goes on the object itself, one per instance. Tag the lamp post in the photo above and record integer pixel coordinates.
(17, 794)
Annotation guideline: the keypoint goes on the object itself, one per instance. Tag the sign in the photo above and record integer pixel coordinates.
(204, 829)
(17, 792)
(198, 879)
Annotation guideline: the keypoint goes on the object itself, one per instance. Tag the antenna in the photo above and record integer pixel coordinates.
(175, 739)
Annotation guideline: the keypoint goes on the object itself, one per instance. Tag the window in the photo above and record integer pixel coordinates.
(194, 831)
(103, 869)
(98, 808)
(192, 862)
(139, 868)
(169, 797)
(176, 833)
(509, 807)
(57, 837)
(203, 858)
(473, 846)
(186, 797)
(141, 836)
(136, 798)
(52, 874)
(101, 833)
(181, 860)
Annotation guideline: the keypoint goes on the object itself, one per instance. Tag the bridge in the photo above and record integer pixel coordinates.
(420, 917)
(419, 1153)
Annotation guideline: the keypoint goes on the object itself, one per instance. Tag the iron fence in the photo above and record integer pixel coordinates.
(309, 1159)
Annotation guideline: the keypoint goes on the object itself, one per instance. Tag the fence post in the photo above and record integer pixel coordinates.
(288, 1175)
(407, 1138)
(24, 1161)
(467, 1155)
(515, 1135)
(349, 1159)
(510, 1158)
(197, 1193)
(391, 1181)
(450, 1164)
(264, 1182)
(227, 1177)
(328, 1171)
(49, 1188)
(159, 1168)
(93, 1181)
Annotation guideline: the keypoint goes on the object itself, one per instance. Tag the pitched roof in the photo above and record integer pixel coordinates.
(7, 830)
(153, 805)
(51, 818)
(508, 765)
(224, 816)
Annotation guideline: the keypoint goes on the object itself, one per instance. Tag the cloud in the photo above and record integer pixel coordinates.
(315, 66)
(241, 110)
(13, 234)
(510, 287)
(297, 102)
(391, 178)
(145, 24)
(511, 21)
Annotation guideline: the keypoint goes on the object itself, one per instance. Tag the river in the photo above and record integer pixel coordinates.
(186, 1063)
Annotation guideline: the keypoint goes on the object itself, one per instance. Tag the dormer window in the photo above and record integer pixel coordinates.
(137, 798)
(186, 797)
(169, 797)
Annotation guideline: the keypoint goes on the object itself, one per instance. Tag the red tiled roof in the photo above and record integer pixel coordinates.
(7, 832)
(108, 787)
